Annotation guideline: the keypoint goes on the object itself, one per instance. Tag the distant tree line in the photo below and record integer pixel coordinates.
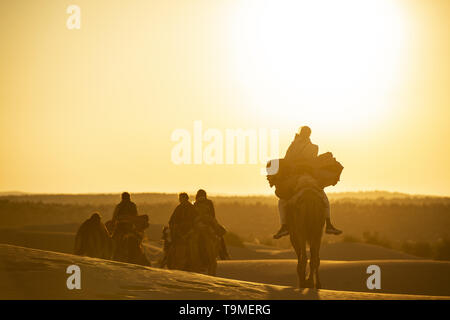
(417, 225)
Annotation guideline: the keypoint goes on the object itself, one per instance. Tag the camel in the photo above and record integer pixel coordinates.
(129, 249)
(306, 220)
(204, 247)
(93, 239)
(127, 244)
(197, 251)
(177, 255)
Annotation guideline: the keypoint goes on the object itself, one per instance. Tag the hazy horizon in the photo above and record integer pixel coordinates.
(223, 194)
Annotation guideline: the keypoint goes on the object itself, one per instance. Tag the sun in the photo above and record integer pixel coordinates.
(322, 62)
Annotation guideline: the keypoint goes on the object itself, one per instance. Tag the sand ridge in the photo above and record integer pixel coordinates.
(36, 274)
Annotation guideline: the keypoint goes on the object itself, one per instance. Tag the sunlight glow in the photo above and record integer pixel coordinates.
(301, 60)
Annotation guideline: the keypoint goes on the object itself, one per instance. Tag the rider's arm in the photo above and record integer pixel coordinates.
(213, 211)
(290, 151)
(116, 210)
(134, 210)
(172, 218)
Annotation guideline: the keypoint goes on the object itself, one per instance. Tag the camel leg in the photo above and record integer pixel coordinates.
(301, 266)
(310, 280)
(318, 283)
(213, 252)
(301, 261)
(314, 265)
(192, 254)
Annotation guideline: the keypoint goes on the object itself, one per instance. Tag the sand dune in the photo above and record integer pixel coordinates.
(351, 251)
(401, 273)
(60, 238)
(36, 274)
(333, 251)
(397, 276)
(45, 240)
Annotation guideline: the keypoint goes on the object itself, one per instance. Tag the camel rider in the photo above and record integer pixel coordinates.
(92, 238)
(207, 214)
(124, 210)
(182, 219)
(302, 152)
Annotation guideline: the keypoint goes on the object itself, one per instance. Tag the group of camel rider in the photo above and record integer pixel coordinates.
(186, 215)
(99, 240)
(302, 169)
(181, 223)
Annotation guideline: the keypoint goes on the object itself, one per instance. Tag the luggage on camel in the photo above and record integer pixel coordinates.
(325, 169)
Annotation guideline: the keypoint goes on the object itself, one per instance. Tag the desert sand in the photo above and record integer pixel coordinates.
(36, 274)
(397, 276)
(256, 272)
(332, 251)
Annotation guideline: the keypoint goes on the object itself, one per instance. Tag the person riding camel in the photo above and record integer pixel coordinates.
(93, 239)
(125, 210)
(182, 219)
(207, 214)
(128, 232)
(300, 171)
(181, 225)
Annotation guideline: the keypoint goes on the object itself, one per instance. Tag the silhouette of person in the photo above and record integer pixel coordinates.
(302, 151)
(182, 218)
(205, 208)
(124, 210)
(92, 238)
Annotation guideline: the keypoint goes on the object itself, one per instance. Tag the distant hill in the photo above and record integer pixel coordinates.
(395, 216)
(372, 195)
(12, 193)
(150, 198)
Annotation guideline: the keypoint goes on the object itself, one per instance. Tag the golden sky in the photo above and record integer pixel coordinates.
(94, 109)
